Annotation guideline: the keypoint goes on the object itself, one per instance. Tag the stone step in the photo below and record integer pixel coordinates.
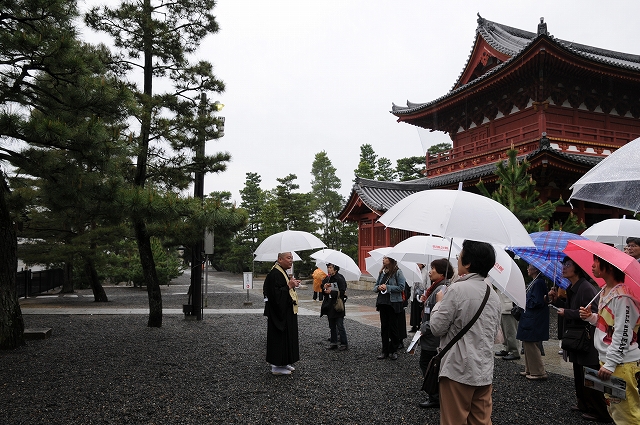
(37, 333)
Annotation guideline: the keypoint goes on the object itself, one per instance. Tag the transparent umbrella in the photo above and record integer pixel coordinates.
(615, 181)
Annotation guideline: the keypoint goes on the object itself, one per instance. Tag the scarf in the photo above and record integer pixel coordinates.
(292, 291)
(433, 286)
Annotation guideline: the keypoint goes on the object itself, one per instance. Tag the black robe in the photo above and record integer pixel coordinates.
(282, 323)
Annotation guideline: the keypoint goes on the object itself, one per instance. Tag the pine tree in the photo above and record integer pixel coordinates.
(253, 202)
(367, 164)
(158, 38)
(41, 59)
(410, 168)
(385, 171)
(516, 191)
(327, 201)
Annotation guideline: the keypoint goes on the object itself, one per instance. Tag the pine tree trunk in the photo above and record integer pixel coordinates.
(67, 280)
(99, 295)
(149, 273)
(11, 321)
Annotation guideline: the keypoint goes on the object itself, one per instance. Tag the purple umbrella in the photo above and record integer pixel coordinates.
(547, 255)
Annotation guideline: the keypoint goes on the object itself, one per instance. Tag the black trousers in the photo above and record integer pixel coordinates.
(589, 400)
(389, 328)
(425, 358)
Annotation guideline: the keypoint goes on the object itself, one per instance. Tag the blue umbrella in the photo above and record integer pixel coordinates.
(547, 254)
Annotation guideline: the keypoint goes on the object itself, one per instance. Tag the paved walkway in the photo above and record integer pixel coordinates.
(360, 308)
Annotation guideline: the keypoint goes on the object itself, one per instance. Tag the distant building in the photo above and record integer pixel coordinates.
(564, 106)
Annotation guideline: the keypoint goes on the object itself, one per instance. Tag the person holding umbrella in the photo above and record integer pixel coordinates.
(281, 309)
(418, 288)
(616, 339)
(389, 286)
(334, 287)
(440, 273)
(580, 292)
(466, 370)
(533, 327)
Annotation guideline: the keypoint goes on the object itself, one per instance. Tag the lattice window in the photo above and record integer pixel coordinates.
(379, 236)
(396, 236)
(365, 236)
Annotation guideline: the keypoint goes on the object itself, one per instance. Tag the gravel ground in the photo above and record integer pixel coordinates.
(99, 369)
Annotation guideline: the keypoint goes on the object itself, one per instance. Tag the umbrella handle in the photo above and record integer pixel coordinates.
(594, 298)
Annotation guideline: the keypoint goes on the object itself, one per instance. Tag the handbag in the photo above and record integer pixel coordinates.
(339, 305)
(432, 375)
(517, 311)
(577, 339)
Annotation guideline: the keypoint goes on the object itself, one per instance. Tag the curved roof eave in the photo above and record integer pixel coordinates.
(515, 42)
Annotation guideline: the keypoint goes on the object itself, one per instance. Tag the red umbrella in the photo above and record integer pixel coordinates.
(582, 252)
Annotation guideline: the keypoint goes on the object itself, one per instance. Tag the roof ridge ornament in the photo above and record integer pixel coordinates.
(542, 27)
(481, 20)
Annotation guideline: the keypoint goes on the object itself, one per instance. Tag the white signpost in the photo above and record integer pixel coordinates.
(247, 281)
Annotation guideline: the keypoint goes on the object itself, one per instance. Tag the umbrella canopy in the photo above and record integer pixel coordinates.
(348, 268)
(582, 252)
(548, 253)
(457, 214)
(614, 231)
(410, 271)
(378, 253)
(507, 277)
(423, 249)
(289, 240)
(614, 181)
(273, 256)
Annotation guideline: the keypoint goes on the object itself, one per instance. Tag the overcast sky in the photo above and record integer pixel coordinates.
(303, 76)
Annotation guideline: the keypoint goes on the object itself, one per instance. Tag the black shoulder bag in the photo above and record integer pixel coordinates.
(432, 375)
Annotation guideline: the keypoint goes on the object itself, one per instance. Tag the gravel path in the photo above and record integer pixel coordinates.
(113, 369)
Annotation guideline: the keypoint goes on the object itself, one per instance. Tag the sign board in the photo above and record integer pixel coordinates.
(247, 280)
(208, 242)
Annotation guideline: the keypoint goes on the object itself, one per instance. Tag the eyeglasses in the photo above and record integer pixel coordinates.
(457, 256)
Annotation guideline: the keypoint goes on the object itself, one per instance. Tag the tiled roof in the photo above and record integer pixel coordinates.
(379, 196)
(513, 41)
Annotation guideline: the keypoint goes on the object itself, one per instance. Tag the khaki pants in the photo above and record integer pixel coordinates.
(464, 404)
(533, 363)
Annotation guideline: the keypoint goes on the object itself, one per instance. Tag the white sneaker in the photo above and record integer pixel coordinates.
(280, 370)
(289, 367)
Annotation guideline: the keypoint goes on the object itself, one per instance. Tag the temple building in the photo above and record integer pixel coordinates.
(564, 106)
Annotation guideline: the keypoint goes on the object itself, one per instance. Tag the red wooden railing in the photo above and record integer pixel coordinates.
(573, 138)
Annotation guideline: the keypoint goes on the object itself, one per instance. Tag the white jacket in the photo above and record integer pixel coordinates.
(617, 323)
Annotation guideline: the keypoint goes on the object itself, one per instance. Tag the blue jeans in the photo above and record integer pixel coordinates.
(339, 324)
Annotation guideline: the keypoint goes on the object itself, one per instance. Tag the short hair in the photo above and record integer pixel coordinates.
(282, 254)
(577, 268)
(336, 268)
(443, 267)
(480, 256)
(606, 266)
(634, 240)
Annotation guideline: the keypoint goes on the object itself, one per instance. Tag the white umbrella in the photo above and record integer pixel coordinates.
(457, 214)
(273, 256)
(348, 268)
(614, 231)
(410, 271)
(423, 249)
(378, 253)
(615, 181)
(287, 241)
(507, 277)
